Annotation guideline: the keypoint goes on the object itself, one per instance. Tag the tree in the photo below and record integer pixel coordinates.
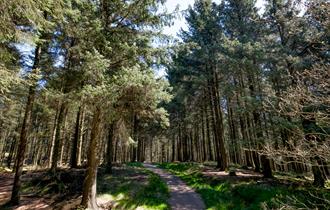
(204, 34)
(123, 41)
(26, 19)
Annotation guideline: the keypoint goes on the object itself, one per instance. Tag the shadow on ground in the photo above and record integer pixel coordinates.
(249, 190)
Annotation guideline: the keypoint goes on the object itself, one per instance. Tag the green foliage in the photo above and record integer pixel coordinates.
(134, 187)
(224, 194)
(28, 13)
(135, 164)
(128, 187)
(141, 94)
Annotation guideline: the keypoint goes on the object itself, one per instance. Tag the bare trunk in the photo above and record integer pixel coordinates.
(109, 153)
(11, 151)
(81, 135)
(75, 143)
(52, 144)
(310, 128)
(15, 196)
(135, 136)
(64, 143)
(57, 143)
(217, 125)
(89, 188)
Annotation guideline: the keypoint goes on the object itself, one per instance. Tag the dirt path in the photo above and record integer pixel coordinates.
(182, 196)
(27, 201)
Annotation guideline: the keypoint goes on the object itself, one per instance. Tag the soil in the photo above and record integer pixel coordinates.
(28, 201)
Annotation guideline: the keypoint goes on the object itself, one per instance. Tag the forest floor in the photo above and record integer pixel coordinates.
(28, 200)
(134, 186)
(248, 189)
(130, 186)
(182, 197)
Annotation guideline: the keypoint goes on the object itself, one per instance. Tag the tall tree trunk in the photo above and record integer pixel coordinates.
(64, 143)
(75, 143)
(52, 143)
(135, 136)
(109, 153)
(57, 143)
(218, 127)
(214, 125)
(38, 151)
(89, 187)
(232, 132)
(140, 150)
(179, 145)
(203, 135)
(15, 196)
(173, 147)
(81, 137)
(312, 135)
(11, 151)
(151, 147)
(208, 134)
(319, 175)
(265, 161)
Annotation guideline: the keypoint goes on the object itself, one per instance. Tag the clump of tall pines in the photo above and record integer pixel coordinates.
(75, 76)
(252, 87)
(245, 87)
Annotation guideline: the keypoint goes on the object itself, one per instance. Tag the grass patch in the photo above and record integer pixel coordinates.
(224, 194)
(130, 186)
(135, 164)
(134, 187)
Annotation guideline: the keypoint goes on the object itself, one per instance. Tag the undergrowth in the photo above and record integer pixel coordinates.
(135, 164)
(249, 195)
(130, 186)
(134, 187)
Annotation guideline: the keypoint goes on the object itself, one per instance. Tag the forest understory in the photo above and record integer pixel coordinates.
(131, 186)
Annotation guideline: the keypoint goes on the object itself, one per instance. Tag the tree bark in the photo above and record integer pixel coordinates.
(81, 137)
(15, 196)
(312, 132)
(89, 187)
(319, 176)
(11, 152)
(57, 143)
(75, 143)
(64, 143)
(217, 121)
(135, 136)
(109, 153)
(173, 147)
(52, 143)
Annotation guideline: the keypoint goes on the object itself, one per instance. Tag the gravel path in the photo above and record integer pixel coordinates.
(182, 197)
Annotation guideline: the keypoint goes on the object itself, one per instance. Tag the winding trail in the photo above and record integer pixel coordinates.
(182, 197)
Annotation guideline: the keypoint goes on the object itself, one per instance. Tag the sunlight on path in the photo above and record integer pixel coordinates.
(182, 196)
